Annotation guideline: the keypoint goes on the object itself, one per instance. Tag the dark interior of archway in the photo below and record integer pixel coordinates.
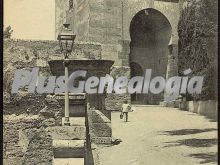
(150, 33)
(149, 26)
(136, 69)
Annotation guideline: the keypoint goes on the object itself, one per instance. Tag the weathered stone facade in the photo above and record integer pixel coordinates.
(109, 22)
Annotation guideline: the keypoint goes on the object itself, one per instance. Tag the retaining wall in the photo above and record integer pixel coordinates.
(207, 108)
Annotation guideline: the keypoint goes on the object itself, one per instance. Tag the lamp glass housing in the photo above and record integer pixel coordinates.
(66, 40)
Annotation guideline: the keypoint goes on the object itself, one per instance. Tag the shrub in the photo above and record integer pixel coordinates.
(7, 32)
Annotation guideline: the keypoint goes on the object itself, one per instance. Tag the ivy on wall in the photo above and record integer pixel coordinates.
(197, 30)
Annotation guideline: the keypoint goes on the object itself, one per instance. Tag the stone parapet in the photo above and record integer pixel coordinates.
(208, 108)
(100, 130)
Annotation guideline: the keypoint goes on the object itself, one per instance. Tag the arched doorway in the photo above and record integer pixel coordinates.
(150, 33)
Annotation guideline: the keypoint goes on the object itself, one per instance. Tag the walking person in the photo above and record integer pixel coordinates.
(126, 107)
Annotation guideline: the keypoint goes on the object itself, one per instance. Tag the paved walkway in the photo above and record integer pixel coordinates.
(161, 136)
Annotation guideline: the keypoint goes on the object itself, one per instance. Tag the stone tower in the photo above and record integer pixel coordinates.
(133, 33)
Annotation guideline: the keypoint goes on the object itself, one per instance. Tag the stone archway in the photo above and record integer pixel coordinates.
(150, 33)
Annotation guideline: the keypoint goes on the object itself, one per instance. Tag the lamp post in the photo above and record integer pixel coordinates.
(66, 40)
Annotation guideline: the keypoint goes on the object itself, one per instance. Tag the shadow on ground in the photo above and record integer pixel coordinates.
(212, 120)
(116, 142)
(188, 131)
(206, 157)
(193, 143)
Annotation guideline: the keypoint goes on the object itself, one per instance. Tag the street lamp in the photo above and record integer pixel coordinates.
(66, 40)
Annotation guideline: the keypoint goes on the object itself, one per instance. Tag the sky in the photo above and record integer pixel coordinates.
(30, 19)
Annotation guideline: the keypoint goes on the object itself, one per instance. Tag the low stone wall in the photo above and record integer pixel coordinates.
(24, 136)
(207, 108)
(173, 104)
(99, 125)
(12, 151)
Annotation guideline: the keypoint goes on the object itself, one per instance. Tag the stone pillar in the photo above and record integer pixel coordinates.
(172, 68)
(67, 120)
(123, 52)
(113, 101)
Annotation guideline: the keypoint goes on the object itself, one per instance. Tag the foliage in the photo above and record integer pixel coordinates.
(197, 31)
(7, 32)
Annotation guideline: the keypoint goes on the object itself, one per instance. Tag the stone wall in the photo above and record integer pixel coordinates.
(207, 108)
(60, 14)
(107, 21)
(172, 12)
(114, 101)
(106, 15)
(131, 8)
(28, 54)
(39, 149)
(105, 27)
(23, 111)
(100, 130)
(12, 152)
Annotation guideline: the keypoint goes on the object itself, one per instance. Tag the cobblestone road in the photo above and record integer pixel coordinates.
(161, 136)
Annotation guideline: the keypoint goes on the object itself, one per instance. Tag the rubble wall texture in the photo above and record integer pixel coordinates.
(24, 54)
(39, 150)
(19, 108)
(28, 54)
(26, 141)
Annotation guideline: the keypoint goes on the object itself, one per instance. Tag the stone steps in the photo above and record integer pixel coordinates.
(68, 161)
(67, 133)
(68, 148)
(75, 121)
(69, 142)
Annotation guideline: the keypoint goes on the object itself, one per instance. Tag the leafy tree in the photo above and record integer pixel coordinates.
(197, 30)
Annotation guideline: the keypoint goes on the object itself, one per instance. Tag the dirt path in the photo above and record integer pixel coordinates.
(161, 136)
